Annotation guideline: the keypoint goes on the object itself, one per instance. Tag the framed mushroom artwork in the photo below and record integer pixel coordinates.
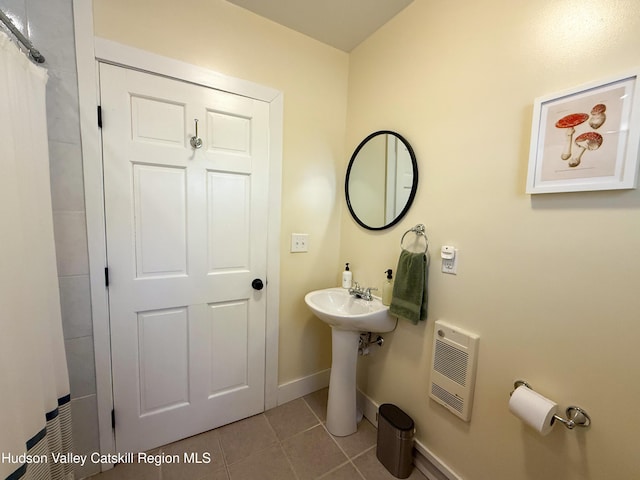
(586, 138)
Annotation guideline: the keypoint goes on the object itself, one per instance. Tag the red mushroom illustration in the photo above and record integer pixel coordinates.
(570, 122)
(597, 115)
(586, 141)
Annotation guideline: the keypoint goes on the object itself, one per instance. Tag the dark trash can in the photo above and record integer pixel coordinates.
(395, 440)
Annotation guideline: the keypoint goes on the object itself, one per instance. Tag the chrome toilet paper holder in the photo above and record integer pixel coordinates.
(576, 416)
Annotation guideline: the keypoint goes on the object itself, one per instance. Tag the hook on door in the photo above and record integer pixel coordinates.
(196, 142)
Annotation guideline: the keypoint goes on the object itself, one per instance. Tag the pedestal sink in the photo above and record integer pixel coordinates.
(348, 317)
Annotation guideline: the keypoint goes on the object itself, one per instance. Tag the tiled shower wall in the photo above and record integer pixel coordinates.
(49, 25)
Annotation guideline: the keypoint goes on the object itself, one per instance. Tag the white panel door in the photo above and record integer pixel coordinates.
(186, 236)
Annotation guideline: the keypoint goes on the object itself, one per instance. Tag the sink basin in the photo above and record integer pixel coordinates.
(343, 311)
(347, 316)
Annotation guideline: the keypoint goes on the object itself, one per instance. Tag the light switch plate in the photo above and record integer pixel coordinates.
(299, 242)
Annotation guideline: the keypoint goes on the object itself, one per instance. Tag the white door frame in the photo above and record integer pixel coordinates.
(89, 51)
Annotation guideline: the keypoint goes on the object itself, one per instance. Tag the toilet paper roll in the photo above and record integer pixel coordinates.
(533, 409)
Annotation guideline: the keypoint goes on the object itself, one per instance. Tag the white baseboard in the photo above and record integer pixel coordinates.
(424, 460)
(368, 407)
(431, 466)
(303, 386)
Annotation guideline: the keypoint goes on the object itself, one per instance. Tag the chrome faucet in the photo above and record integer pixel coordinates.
(363, 293)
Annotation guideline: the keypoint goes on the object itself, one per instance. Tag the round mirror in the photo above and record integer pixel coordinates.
(382, 179)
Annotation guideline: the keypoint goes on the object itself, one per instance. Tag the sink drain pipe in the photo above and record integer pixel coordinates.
(367, 339)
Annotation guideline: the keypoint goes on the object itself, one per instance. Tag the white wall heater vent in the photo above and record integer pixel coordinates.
(453, 370)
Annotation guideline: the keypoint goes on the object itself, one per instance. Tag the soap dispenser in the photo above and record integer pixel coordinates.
(346, 277)
(387, 288)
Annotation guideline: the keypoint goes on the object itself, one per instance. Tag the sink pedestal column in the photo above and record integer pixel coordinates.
(341, 407)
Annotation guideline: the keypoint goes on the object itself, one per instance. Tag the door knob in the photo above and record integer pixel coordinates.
(257, 284)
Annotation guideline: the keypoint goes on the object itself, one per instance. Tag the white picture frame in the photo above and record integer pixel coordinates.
(586, 138)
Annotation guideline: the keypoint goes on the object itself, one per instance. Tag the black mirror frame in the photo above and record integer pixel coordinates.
(414, 185)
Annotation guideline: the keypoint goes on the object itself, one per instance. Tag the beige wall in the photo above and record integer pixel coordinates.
(313, 78)
(538, 278)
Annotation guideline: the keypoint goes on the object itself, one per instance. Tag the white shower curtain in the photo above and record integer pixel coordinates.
(35, 408)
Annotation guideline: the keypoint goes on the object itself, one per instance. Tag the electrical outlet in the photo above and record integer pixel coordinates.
(299, 242)
(449, 260)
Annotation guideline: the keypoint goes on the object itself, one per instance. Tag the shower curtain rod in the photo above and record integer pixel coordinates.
(33, 52)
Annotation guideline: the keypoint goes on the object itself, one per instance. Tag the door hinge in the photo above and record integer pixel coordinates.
(106, 276)
(113, 418)
(99, 116)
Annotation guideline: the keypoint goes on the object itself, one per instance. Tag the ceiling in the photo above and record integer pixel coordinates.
(343, 24)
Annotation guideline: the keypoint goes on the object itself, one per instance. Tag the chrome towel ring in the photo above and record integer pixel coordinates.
(420, 231)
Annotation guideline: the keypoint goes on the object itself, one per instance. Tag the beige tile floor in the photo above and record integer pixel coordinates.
(289, 442)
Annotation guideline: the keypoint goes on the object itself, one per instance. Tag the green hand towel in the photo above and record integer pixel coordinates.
(410, 287)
